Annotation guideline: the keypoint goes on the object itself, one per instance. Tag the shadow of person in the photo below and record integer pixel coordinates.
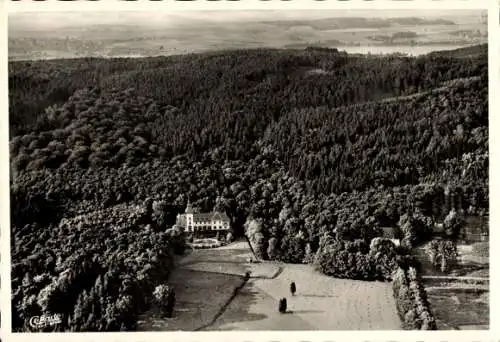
(302, 311)
(315, 296)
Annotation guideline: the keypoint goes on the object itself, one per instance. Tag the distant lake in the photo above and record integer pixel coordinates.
(389, 49)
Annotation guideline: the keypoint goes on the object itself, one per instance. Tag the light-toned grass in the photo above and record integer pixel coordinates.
(327, 303)
(458, 307)
(476, 253)
(218, 267)
(481, 249)
(253, 309)
(205, 281)
(456, 297)
(199, 297)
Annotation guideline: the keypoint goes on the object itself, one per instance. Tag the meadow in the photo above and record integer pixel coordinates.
(321, 302)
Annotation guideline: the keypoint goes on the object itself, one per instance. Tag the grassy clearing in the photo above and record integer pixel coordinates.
(457, 305)
(327, 303)
(254, 309)
(460, 308)
(321, 303)
(477, 253)
(204, 281)
(200, 296)
(482, 249)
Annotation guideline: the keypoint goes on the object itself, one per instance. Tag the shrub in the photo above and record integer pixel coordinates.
(164, 296)
(411, 300)
(346, 260)
(414, 228)
(383, 256)
(453, 222)
(308, 254)
(271, 248)
(253, 231)
(442, 253)
(258, 245)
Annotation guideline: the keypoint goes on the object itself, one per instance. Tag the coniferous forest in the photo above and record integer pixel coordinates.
(320, 148)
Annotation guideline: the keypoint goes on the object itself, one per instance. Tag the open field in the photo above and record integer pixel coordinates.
(321, 302)
(327, 303)
(460, 307)
(254, 309)
(199, 297)
(201, 274)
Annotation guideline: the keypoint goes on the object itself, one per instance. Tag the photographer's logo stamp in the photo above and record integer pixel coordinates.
(43, 321)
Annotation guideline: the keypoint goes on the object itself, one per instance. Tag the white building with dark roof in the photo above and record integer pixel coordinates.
(194, 222)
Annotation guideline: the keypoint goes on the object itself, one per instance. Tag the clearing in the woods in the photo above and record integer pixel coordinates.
(205, 283)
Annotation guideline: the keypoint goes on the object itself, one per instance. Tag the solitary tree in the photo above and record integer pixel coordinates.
(442, 253)
(453, 222)
(308, 254)
(165, 298)
(271, 248)
(259, 246)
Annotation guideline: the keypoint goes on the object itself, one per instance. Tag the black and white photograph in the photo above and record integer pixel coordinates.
(248, 170)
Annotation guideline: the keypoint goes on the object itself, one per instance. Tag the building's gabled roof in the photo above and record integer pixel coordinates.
(220, 216)
(200, 217)
(206, 217)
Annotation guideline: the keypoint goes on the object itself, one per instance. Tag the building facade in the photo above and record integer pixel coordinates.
(204, 224)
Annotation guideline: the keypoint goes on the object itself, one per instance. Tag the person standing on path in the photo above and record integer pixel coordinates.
(293, 288)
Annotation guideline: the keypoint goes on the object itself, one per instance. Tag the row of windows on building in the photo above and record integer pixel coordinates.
(206, 228)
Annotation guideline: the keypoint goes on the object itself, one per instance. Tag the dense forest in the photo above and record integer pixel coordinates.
(312, 152)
